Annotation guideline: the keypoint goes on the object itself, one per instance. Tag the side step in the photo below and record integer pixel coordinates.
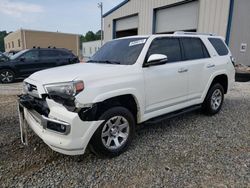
(173, 114)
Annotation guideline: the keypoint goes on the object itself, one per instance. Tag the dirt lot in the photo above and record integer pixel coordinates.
(189, 151)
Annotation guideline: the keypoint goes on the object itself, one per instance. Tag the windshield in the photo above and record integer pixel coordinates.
(18, 54)
(3, 57)
(123, 51)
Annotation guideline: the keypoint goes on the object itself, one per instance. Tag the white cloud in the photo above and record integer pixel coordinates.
(18, 9)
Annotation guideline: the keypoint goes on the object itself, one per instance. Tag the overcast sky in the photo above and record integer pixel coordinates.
(71, 16)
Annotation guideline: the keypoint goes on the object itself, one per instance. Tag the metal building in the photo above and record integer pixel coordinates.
(227, 18)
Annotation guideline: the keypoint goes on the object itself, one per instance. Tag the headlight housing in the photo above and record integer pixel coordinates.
(66, 90)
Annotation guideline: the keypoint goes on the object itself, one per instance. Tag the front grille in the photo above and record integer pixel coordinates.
(33, 103)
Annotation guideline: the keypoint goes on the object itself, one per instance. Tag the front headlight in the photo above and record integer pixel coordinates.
(66, 90)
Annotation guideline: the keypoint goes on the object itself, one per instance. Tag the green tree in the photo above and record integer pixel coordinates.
(82, 39)
(2, 35)
(90, 36)
(98, 35)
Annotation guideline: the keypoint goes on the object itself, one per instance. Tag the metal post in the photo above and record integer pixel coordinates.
(100, 5)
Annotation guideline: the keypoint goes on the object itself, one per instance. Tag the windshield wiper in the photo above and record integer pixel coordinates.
(104, 61)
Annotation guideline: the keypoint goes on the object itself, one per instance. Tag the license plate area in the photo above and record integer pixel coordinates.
(23, 125)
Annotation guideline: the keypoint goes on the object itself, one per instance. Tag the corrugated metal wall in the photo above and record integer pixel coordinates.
(240, 31)
(213, 15)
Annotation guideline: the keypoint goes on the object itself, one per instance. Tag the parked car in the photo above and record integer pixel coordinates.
(28, 61)
(127, 82)
(11, 53)
(3, 57)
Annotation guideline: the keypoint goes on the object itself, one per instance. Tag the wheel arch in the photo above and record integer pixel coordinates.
(221, 78)
(128, 101)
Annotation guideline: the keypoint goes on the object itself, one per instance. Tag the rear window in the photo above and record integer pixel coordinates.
(194, 49)
(219, 46)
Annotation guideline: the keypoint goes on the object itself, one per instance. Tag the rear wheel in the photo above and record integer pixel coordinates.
(214, 99)
(115, 134)
(7, 76)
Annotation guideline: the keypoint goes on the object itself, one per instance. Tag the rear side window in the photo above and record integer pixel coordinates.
(219, 46)
(48, 54)
(65, 54)
(167, 46)
(194, 49)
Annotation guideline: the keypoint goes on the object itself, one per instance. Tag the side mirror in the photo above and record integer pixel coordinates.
(156, 59)
(22, 58)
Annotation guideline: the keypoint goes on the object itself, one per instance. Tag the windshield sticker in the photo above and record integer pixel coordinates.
(137, 42)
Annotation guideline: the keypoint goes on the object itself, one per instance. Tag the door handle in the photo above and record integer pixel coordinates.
(210, 65)
(182, 70)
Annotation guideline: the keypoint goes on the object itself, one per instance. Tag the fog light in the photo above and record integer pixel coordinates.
(63, 128)
(56, 127)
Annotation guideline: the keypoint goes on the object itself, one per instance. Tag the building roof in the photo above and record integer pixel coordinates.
(115, 8)
(54, 32)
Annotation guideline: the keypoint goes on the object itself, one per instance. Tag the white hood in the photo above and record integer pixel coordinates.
(80, 71)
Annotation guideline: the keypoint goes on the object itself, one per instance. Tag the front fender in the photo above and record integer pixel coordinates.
(126, 91)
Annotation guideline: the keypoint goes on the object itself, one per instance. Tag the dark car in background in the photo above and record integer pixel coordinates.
(3, 57)
(10, 53)
(28, 61)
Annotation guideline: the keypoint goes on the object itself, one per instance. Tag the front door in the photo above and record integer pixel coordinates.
(28, 63)
(165, 85)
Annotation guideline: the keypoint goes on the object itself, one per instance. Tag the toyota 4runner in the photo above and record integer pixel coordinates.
(127, 82)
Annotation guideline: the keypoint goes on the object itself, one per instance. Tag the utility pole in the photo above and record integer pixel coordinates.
(100, 5)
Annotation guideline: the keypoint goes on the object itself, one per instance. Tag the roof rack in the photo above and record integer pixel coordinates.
(192, 33)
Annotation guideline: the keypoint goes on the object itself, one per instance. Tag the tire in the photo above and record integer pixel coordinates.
(112, 137)
(242, 77)
(214, 99)
(7, 76)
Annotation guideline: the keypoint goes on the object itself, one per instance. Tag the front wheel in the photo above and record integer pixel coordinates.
(7, 76)
(115, 134)
(214, 99)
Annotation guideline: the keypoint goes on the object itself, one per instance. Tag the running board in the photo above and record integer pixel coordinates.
(172, 114)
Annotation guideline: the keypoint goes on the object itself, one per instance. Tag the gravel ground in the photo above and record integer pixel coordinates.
(192, 150)
(11, 89)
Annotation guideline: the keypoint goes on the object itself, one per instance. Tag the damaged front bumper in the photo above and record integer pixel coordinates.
(60, 129)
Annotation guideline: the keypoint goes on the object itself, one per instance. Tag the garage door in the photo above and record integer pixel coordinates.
(126, 26)
(179, 18)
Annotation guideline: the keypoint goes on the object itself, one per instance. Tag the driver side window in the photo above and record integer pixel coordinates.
(31, 55)
(166, 46)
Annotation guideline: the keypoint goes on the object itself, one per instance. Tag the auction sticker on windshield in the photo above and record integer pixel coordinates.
(137, 42)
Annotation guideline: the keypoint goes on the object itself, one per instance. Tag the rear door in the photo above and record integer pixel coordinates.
(66, 58)
(165, 85)
(200, 66)
(49, 58)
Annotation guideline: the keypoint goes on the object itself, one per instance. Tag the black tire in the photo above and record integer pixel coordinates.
(242, 77)
(7, 76)
(96, 143)
(208, 104)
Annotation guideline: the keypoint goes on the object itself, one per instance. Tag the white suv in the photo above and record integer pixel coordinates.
(127, 82)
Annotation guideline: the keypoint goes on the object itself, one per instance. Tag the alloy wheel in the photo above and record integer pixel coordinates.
(216, 99)
(115, 132)
(7, 76)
